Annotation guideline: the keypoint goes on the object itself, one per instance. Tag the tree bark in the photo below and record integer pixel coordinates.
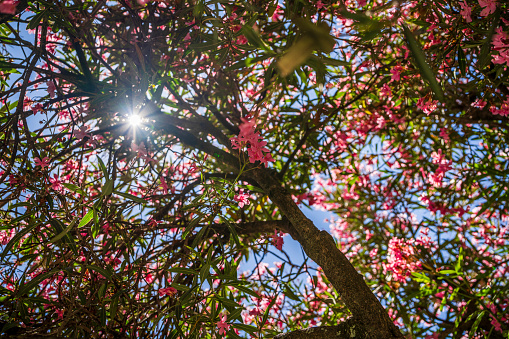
(345, 330)
(366, 309)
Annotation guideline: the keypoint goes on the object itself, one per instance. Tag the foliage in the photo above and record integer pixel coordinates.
(149, 149)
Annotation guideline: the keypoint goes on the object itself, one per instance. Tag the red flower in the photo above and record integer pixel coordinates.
(167, 291)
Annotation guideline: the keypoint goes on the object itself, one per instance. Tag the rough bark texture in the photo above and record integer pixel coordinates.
(367, 311)
(346, 330)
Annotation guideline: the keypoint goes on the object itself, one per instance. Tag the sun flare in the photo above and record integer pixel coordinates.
(135, 120)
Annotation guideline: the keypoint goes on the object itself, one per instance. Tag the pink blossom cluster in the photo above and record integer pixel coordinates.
(141, 152)
(44, 162)
(167, 291)
(248, 137)
(502, 110)
(222, 325)
(6, 236)
(242, 199)
(466, 11)
(501, 44)
(427, 106)
(277, 240)
(434, 207)
(436, 179)
(401, 261)
(489, 7)
(8, 7)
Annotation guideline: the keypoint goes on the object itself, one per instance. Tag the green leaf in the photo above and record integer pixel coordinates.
(190, 227)
(296, 55)
(36, 20)
(86, 219)
(131, 197)
(102, 166)
(248, 291)
(102, 290)
(289, 293)
(19, 204)
(420, 277)
(267, 311)
(73, 188)
(36, 281)
(7, 66)
(95, 229)
(114, 306)
(319, 33)
(329, 61)
(444, 272)
(246, 328)
(316, 37)
(205, 47)
(107, 189)
(253, 37)
(63, 233)
(420, 59)
(228, 302)
(484, 57)
(459, 262)
(233, 233)
(473, 329)
(99, 270)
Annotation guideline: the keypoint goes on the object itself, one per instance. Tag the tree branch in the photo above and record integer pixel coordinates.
(346, 330)
(320, 246)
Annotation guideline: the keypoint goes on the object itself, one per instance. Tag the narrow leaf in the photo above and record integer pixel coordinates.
(420, 58)
(62, 234)
(131, 197)
(86, 219)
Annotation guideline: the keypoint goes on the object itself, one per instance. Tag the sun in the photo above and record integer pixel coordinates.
(135, 120)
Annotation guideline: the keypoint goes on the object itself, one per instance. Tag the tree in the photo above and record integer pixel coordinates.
(150, 147)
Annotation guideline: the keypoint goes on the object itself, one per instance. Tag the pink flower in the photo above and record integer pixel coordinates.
(249, 138)
(37, 108)
(56, 184)
(401, 260)
(277, 240)
(489, 7)
(82, 133)
(241, 40)
(386, 91)
(503, 110)
(43, 163)
(8, 7)
(222, 325)
(501, 44)
(466, 11)
(427, 106)
(242, 199)
(479, 103)
(51, 88)
(164, 185)
(141, 148)
(6, 236)
(170, 291)
(396, 73)
(444, 135)
(496, 324)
